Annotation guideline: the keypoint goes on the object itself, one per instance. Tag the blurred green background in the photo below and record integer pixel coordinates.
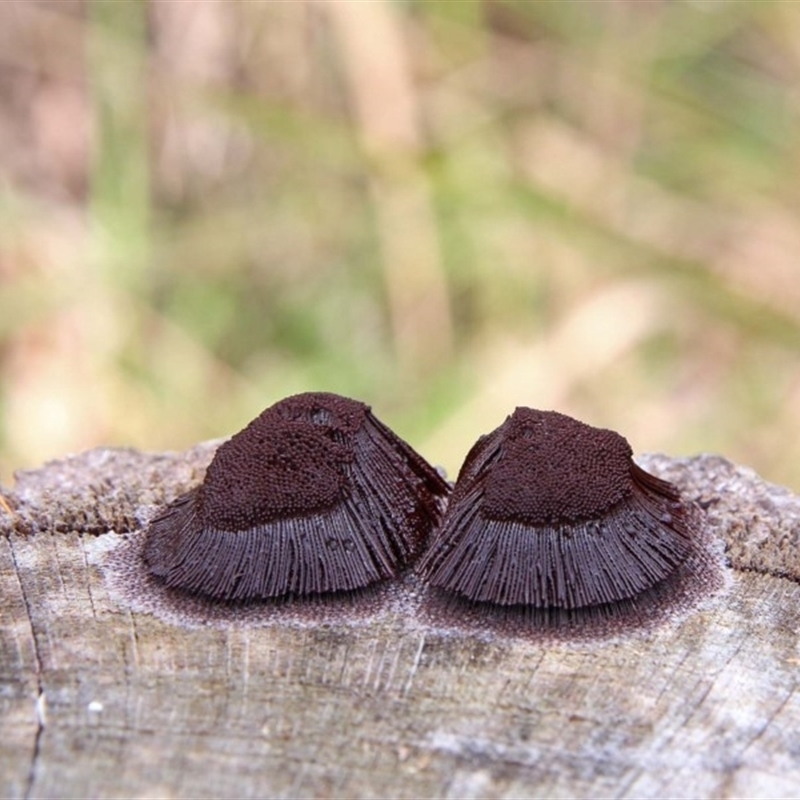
(445, 209)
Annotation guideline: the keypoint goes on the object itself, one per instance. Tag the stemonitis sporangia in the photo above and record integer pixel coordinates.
(314, 496)
(550, 513)
(549, 516)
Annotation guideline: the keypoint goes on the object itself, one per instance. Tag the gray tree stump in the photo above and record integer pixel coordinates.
(107, 690)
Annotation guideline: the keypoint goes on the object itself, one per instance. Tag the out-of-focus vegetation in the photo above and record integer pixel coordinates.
(443, 208)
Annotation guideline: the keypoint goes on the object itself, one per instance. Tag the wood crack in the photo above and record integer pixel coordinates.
(41, 697)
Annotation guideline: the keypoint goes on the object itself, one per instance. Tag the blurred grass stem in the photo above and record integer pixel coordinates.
(385, 102)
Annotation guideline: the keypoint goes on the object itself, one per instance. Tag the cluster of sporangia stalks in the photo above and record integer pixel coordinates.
(318, 496)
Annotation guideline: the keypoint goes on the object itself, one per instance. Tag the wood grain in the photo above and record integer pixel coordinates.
(98, 698)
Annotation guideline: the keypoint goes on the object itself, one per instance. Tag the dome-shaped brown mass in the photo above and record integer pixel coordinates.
(549, 512)
(277, 469)
(314, 496)
(569, 470)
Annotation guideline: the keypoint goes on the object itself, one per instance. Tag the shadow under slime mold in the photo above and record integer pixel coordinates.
(314, 497)
(551, 524)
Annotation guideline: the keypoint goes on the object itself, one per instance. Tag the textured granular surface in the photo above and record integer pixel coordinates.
(272, 469)
(553, 468)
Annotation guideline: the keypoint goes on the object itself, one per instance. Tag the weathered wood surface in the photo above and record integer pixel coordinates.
(99, 697)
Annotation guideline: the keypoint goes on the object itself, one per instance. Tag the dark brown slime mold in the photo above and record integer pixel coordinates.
(314, 496)
(550, 513)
